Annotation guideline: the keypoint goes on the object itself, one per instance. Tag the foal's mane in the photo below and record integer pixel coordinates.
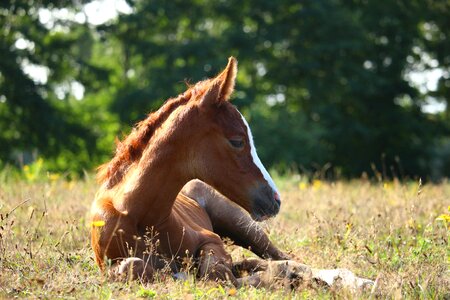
(130, 149)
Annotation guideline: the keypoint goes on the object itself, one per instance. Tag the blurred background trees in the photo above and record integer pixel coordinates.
(336, 87)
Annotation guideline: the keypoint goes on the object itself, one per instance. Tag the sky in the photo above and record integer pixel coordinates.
(100, 11)
(96, 12)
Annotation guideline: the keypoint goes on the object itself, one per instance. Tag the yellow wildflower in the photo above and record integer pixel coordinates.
(30, 176)
(100, 223)
(348, 227)
(69, 185)
(53, 176)
(232, 292)
(316, 184)
(302, 185)
(444, 217)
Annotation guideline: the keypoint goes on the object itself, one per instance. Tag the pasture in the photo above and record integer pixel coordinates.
(396, 233)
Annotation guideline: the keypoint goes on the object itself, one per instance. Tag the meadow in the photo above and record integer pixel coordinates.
(394, 233)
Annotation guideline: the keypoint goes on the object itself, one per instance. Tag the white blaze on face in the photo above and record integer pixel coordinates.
(256, 159)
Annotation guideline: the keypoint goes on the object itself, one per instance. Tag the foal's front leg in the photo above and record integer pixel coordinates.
(215, 263)
(229, 220)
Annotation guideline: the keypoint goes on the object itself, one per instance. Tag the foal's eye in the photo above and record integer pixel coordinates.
(237, 143)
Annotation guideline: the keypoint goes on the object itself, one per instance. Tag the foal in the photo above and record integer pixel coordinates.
(199, 134)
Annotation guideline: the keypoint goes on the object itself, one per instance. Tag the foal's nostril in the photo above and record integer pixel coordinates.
(276, 196)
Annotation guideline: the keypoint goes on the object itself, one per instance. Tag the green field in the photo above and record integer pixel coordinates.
(395, 233)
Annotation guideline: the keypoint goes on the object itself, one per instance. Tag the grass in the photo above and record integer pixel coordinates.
(397, 233)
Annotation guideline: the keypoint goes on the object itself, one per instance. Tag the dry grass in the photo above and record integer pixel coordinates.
(387, 231)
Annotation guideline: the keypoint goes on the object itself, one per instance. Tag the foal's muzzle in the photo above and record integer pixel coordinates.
(266, 202)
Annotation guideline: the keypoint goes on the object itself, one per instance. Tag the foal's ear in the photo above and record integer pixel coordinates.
(223, 85)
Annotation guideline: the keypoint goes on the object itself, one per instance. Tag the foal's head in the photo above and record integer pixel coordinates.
(221, 150)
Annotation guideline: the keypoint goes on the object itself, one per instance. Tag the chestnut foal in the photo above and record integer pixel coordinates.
(199, 134)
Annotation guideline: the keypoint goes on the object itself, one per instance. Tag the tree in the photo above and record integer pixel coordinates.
(39, 115)
(322, 81)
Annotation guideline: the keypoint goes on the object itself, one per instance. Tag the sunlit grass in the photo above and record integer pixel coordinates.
(394, 232)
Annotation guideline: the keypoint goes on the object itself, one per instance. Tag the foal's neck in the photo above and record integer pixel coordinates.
(154, 183)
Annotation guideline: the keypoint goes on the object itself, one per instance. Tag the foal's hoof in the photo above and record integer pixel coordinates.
(289, 273)
(135, 268)
(341, 278)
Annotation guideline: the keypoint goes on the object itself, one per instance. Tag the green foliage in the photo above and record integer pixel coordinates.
(34, 118)
(145, 293)
(323, 83)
